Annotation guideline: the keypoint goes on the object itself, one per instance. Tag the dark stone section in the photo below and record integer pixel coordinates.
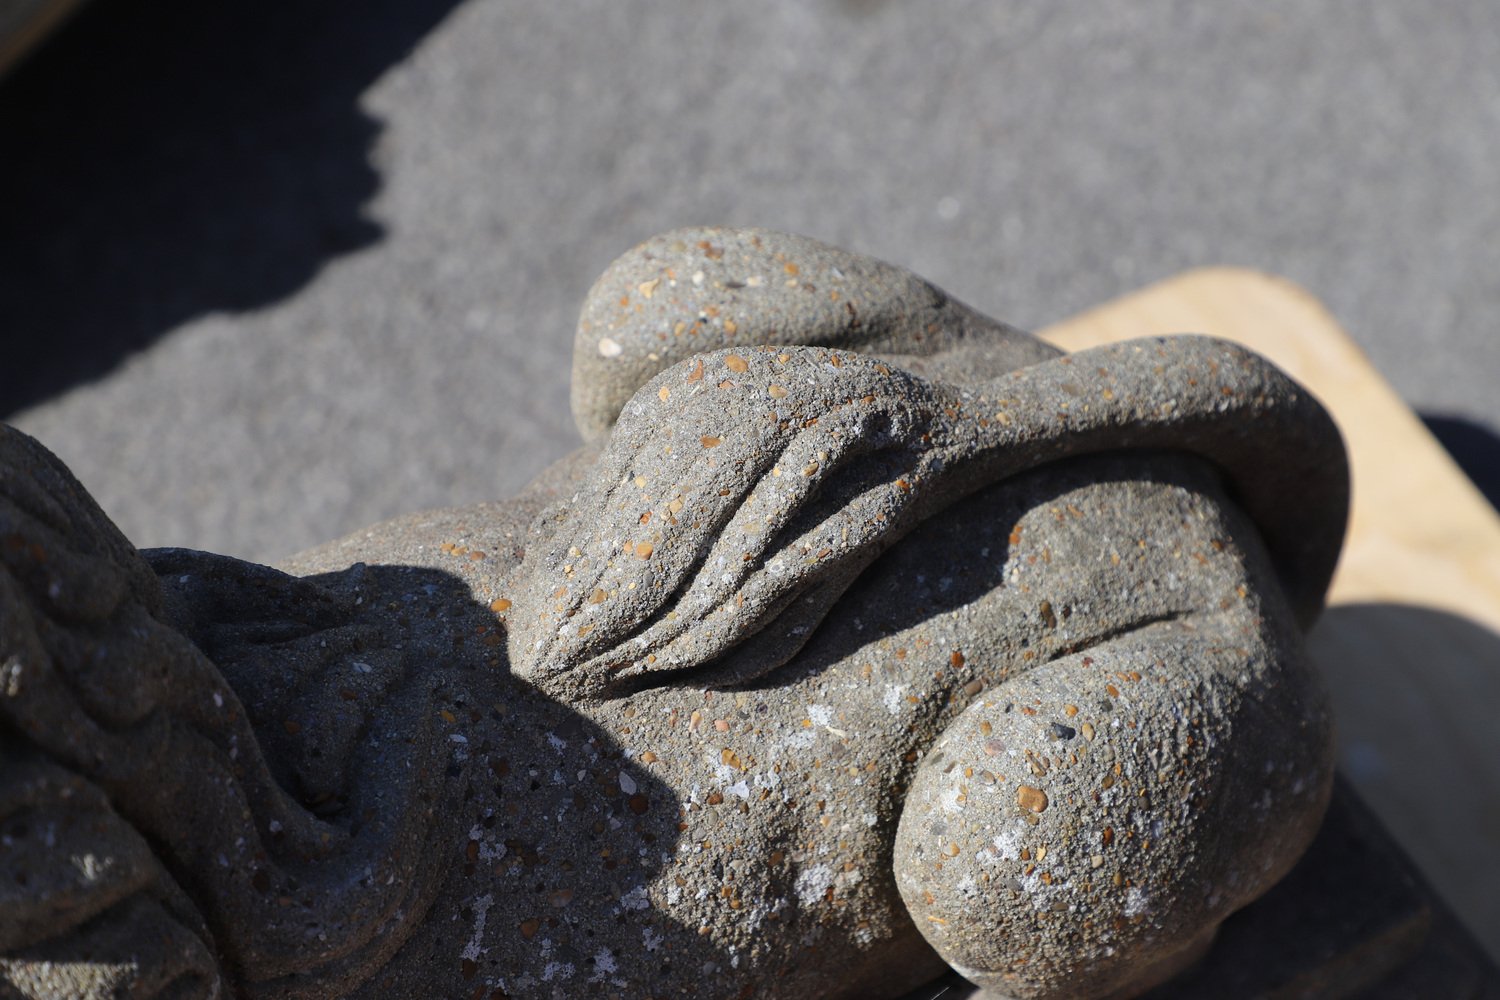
(1353, 919)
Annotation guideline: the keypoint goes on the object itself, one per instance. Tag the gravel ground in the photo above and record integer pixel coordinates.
(268, 275)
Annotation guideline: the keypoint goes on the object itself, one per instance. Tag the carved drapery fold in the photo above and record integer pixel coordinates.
(119, 732)
(744, 490)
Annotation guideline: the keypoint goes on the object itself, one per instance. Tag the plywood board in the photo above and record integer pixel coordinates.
(1411, 642)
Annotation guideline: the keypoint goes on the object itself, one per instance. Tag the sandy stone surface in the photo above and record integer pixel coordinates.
(898, 644)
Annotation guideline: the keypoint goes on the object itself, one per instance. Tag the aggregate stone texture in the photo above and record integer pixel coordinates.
(866, 639)
(1354, 918)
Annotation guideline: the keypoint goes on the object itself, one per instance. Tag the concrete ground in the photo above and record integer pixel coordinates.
(270, 274)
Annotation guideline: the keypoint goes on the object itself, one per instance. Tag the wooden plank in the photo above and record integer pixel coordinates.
(1411, 642)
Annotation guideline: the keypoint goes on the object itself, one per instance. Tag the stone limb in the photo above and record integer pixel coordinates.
(86, 910)
(742, 489)
(1081, 830)
(695, 290)
(119, 733)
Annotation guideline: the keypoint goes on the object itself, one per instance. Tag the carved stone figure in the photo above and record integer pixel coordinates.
(865, 635)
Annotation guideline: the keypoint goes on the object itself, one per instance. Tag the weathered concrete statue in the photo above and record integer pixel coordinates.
(867, 634)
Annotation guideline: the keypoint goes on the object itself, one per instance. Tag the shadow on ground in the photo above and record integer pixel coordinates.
(167, 159)
(1474, 447)
(1413, 688)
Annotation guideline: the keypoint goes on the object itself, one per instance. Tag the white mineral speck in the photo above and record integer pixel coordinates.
(892, 697)
(801, 739)
(813, 883)
(1008, 845)
(91, 866)
(558, 970)
(482, 905)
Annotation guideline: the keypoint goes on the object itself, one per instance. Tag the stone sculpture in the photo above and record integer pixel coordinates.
(865, 634)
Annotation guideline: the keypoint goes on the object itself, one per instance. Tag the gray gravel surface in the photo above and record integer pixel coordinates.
(276, 280)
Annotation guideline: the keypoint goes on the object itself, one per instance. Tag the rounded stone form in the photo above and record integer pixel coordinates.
(1083, 829)
(697, 289)
(661, 739)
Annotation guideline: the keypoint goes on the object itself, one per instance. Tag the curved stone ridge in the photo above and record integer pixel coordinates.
(694, 290)
(870, 635)
(709, 523)
(118, 730)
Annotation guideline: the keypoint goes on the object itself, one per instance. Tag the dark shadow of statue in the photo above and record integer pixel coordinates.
(1475, 448)
(164, 160)
(1395, 672)
(868, 637)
